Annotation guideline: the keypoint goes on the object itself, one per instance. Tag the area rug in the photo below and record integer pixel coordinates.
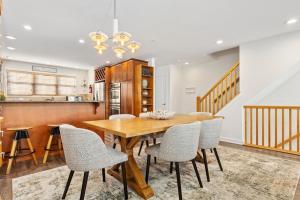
(247, 175)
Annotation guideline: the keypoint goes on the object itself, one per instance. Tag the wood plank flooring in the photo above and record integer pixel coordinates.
(27, 167)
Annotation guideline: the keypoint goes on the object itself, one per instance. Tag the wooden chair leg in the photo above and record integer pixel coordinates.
(218, 159)
(47, 149)
(103, 174)
(11, 156)
(124, 180)
(141, 146)
(68, 184)
(32, 151)
(178, 180)
(205, 164)
(197, 173)
(211, 151)
(147, 143)
(114, 145)
(84, 183)
(148, 168)
(171, 167)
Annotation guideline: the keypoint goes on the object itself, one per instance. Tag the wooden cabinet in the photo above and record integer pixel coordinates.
(127, 97)
(1, 135)
(129, 74)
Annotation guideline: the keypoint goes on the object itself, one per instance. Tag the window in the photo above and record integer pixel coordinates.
(21, 83)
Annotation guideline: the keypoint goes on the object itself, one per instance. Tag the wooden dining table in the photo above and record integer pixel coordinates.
(129, 132)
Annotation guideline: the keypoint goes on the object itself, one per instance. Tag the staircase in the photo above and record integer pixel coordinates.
(222, 92)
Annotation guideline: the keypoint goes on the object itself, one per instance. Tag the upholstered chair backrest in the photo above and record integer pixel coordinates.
(180, 142)
(201, 113)
(210, 133)
(84, 150)
(121, 116)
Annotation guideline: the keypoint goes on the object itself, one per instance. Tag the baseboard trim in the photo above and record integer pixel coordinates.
(230, 140)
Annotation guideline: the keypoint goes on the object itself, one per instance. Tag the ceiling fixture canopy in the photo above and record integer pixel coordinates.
(120, 39)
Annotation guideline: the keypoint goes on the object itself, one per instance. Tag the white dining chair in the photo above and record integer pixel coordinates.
(120, 117)
(179, 144)
(209, 139)
(85, 151)
(201, 113)
(146, 138)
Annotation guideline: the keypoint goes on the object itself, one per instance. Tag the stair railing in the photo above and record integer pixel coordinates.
(222, 92)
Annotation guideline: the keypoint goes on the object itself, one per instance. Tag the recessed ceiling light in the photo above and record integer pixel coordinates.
(186, 63)
(27, 27)
(8, 57)
(107, 62)
(81, 41)
(291, 21)
(10, 48)
(10, 37)
(219, 42)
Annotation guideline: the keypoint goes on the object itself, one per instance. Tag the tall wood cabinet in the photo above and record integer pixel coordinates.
(130, 74)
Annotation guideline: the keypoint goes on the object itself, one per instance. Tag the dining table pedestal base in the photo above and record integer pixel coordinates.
(135, 178)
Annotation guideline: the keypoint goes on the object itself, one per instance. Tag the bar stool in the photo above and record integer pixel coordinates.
(54, 131)
(20, 133)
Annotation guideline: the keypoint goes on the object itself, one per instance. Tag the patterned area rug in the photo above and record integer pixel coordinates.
(246, 175)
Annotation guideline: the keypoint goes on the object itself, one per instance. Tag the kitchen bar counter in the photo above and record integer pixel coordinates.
(40, 114)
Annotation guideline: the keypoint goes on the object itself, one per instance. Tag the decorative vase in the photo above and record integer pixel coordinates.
(145, 83)
(145, 93)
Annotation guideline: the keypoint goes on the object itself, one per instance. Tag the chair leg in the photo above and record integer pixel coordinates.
(148, 168)
(154, 142)
(147, 143)
(141, 146)
(68, 184)
(11, 156)
(47, 149)
(84, 183)
(211, 151)
(197, 173)
(124, 180)
(103, 174)
(114, 145)
(171, 167)
(218, 159)
(32, 150)
(205, 164)
(178, 180)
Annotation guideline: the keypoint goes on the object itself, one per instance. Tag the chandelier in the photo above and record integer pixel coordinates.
(121, 40)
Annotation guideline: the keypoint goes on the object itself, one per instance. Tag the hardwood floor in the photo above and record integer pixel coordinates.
(27, 167)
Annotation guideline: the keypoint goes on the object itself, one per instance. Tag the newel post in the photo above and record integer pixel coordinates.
(198, 104)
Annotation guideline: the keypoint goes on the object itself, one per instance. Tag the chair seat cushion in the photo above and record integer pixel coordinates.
(153, 150)
(116, 156)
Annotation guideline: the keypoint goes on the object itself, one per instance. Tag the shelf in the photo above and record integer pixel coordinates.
(147, 104)
(146, 97)
(146, 88)
(147, 76)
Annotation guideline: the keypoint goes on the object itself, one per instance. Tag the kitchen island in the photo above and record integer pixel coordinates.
(40, 114)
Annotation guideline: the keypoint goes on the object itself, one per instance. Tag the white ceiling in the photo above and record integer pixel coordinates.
(170, 30)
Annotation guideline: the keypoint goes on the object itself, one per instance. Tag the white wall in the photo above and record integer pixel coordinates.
(262, 63)
(80, 74)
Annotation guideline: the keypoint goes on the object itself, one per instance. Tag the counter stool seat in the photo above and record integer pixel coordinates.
(54, 131)
(20, 133)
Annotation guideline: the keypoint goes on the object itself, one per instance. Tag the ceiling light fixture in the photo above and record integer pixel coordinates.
(10, 37)
(186, 63)
(81, 41)
(107, 62)
(120, 39)
(292, 21)
(219, 42)
(27, 27)
(11, 48)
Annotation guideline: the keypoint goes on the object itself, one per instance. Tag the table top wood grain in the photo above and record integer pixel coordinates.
(143, 126)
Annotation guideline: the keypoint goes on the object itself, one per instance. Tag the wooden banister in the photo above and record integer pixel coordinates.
(221, 92)
(282, 130)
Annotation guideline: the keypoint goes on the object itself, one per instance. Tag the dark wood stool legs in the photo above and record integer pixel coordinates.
(103, 174)
(124, 180)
